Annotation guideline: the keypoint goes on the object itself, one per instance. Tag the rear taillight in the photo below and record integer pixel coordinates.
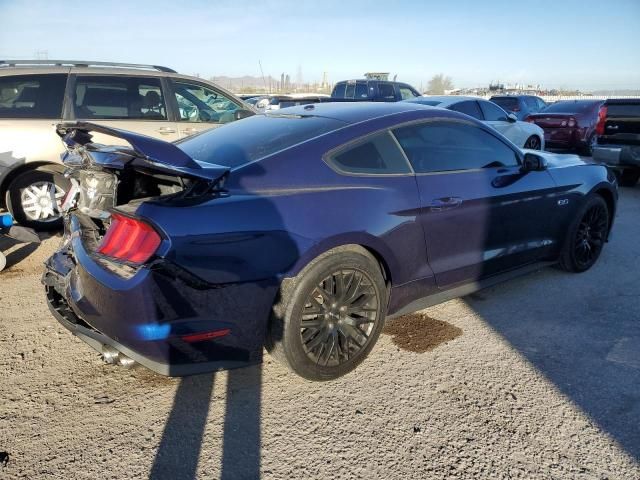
(129, 240)
(602, 117)
(530, 119)
(571, 122)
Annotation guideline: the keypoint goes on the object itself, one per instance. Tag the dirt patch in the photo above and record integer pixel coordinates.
(420, 333)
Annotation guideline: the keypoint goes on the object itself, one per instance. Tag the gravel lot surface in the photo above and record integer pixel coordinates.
(536, 378)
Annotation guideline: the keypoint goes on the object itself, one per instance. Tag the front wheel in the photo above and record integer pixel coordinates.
(330, 316)
(34, 198)
(533, 143)
(586, 236)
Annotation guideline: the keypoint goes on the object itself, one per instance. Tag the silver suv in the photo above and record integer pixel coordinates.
(37, 95)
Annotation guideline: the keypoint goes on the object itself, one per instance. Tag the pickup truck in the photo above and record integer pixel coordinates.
(618, 138)
(371, 91)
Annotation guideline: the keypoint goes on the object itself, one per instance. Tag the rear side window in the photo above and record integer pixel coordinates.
(446, 146)
(119, 97)
(493, 113)
(237, 143)
(338, 90)
(32, 96)
(377, 155)
(469, 107)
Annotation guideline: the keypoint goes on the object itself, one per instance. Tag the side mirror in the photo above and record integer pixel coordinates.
(242, 113)
(533, 163)
(512, 117)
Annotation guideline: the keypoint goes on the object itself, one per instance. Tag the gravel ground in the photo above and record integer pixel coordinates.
(537, 378)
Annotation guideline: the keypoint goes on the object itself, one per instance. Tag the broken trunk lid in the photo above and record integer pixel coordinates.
(145, 152)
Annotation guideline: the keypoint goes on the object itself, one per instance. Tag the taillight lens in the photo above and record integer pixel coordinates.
(530, 119)
(572, 122)
(129, 240)
(602, 117)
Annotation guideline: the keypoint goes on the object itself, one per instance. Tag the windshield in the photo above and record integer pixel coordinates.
(509, 104)
(253, 138)
(570, 107)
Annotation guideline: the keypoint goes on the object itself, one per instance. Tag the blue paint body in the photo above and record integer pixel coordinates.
(221, 262)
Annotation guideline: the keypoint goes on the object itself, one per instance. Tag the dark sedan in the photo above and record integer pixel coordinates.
(303, 230)
(569, 124)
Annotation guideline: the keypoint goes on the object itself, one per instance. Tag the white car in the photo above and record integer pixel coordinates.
(522, 134)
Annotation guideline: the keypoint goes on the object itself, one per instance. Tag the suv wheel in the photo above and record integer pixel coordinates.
(330, 316)
(34, 198)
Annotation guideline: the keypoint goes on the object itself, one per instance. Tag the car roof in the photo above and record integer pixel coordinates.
(352, 112)
(443, 100)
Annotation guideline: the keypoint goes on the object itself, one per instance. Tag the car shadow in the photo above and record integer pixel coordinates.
(590, 352)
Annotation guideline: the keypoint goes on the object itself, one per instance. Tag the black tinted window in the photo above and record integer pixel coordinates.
(492, 112)
(509, 104)
(237, 143)
(469, 107)
(361, 90)
(443, 146)
(375, 155)
(385, 90)
(119, 97)
(32, 96)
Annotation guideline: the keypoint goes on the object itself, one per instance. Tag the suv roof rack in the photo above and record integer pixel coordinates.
(83, 63)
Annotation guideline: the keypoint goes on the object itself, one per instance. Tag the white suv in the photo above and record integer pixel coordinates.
(37, 95)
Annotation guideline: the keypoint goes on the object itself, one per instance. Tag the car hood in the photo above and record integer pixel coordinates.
(559, 160)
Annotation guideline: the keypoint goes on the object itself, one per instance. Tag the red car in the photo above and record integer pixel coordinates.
(569, 124)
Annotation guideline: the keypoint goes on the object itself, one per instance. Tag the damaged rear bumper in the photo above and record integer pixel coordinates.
(150, 316)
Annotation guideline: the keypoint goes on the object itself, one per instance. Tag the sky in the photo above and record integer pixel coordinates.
(589, 45)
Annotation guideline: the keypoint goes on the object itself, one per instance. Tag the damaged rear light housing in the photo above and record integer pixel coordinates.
(129, 240)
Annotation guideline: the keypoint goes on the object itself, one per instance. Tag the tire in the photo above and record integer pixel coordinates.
(586, 236)
(334, 342)
(533, 143)
(24, 207)
(628, 177)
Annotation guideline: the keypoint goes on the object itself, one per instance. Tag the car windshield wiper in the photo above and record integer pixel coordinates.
(287, 115)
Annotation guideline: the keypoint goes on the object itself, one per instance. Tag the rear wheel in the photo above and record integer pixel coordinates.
(34, 198)
(533, 143)
(586, 236)
(330, 316)
(629, 177)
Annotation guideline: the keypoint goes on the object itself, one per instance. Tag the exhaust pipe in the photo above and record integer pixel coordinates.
(114, 357)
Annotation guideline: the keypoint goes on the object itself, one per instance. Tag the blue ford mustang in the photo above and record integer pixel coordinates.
(301, 231)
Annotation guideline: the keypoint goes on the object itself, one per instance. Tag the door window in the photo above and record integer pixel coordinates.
(446, 146)
(32, 96)
(493, 113)
(119, 98)
(407, 93)
(469, 107)
(385, 91)
(197, 103)
(378, 154)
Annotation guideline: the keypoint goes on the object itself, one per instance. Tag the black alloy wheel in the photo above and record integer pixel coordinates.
(586, 236)
(591, 235)
(338, 317)
(328, 318)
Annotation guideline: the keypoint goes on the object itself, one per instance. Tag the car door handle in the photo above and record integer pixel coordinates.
(166, 130)
(445, 203)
